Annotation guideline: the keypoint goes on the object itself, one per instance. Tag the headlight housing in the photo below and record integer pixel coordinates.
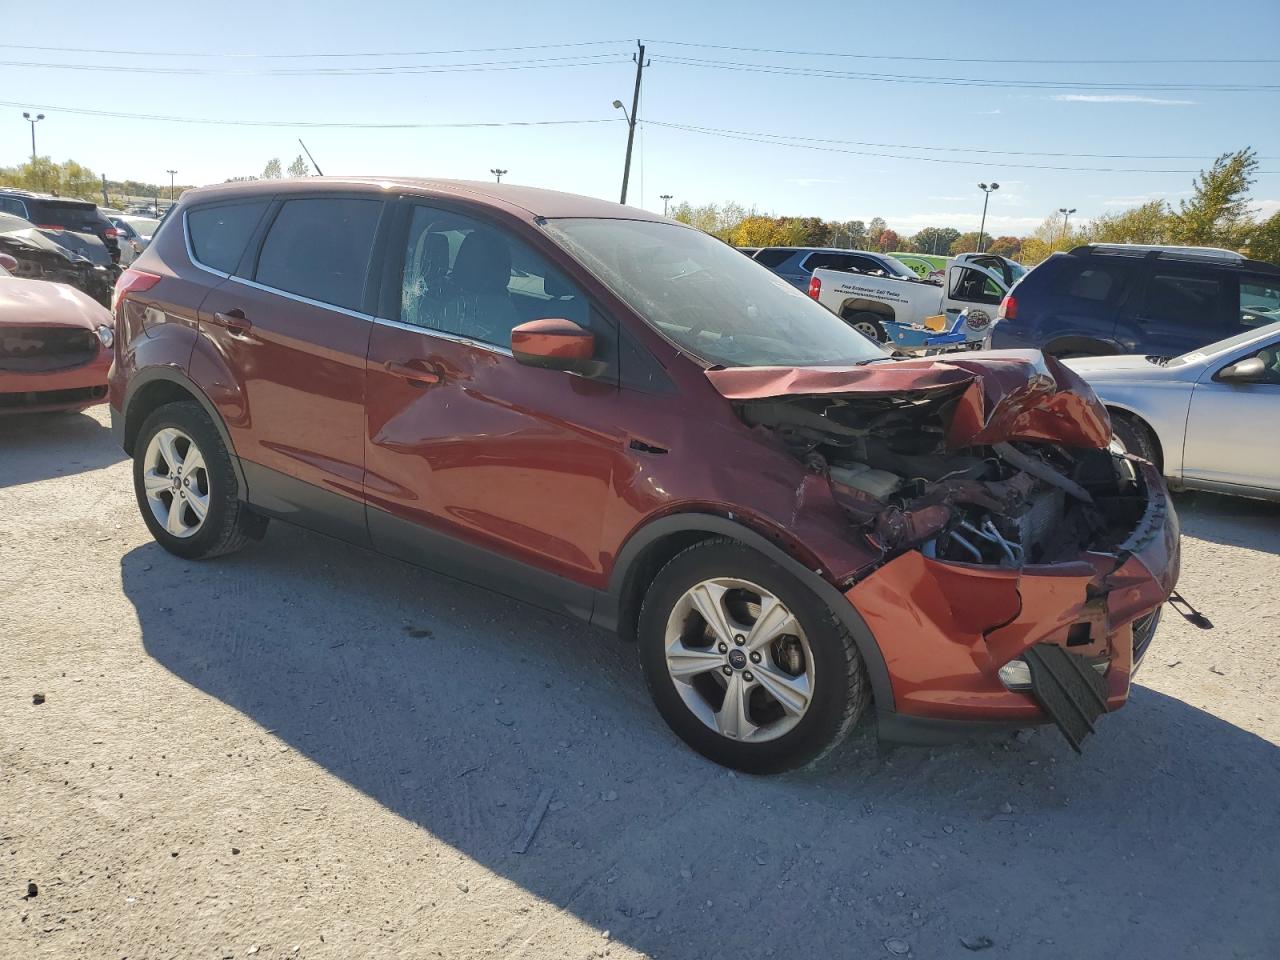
(106, 336)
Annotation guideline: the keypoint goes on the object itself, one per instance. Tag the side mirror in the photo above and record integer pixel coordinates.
(1252, 370)
(555, 344)
(9, 262)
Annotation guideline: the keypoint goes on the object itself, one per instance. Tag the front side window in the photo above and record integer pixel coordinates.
(1183, 299)
(1259, 301)
(707, 298)
(220, 233)
(319, 248)
(469, 279)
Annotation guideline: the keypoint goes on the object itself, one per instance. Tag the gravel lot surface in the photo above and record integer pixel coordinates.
(306, 750)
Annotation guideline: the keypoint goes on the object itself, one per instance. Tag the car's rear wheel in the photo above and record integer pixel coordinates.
(1136, 437)
(745, 663)
(186, 486)
(867, 324)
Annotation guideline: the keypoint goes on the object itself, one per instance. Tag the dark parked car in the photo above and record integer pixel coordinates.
(621, 418)
(1106, 299)
(61, 213)
(796, 264)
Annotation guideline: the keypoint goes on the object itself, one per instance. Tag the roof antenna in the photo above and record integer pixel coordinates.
(311, 158)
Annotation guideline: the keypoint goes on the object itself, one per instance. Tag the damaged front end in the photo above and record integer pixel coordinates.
(1016, 562)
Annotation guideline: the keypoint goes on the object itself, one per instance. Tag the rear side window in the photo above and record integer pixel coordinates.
(219, 234)
(1096, 283)
(1183, 299)
(319, 248)
(843, 261)
(773, 258)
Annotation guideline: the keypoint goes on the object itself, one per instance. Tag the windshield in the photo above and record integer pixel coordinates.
(1224, 346)
(899, 268)
(708, 298)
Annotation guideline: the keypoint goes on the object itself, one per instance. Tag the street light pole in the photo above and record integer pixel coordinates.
(33, 121)
(631, 118)
(1066, 216)
(497, 173)
(665, 198)
(172, 174)
(986, 196)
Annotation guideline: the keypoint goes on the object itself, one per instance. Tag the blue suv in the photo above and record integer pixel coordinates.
(1120, 298)
(796, 264)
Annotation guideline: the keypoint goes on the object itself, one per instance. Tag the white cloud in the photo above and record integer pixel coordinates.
(989, 113)
(1119, 98)
(1001, 223)
(1266, 208)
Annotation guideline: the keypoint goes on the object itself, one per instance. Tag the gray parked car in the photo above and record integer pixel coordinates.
(1207, 417)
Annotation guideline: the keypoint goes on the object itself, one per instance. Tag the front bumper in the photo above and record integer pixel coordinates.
(945, 629)
(73, 388)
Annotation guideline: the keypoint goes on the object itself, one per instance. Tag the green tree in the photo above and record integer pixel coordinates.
(272, 170)
(299, 168)
(1148, 223)
(1264, 240)
(1218, 212)
(935, 240)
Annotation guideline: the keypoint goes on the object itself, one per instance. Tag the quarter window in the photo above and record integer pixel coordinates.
(1095, 284)
(319, 248)
(773, 258)
(219, 234)
(1259, 301)
(1183, 299)
(466, 278)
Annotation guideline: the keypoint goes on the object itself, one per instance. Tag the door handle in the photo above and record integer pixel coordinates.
(234, 320)
(412, 370)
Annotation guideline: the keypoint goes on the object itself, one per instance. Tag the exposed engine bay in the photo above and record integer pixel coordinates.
(1010, 503)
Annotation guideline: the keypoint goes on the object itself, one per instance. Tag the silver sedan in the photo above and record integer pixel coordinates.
(1209, 418)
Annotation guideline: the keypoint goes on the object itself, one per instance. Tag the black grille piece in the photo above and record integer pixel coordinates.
(40, 349)
(1071, 692)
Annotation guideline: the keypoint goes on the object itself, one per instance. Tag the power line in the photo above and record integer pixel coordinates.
(825, 74)
(305, 56)
(706, 131)
(915, 146)
(302, 123)
(920, 59)
(483, 66)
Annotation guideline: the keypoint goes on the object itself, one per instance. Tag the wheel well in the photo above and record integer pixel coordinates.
(866, 306)
(1086, 346)
(1119, 414)
(644, 568)
(150, 397)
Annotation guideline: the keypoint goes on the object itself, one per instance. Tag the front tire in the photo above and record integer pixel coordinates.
(186, 487)
(745, 663)
(1136, 437)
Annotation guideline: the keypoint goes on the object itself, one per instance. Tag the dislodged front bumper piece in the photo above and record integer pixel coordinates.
(1014, 567)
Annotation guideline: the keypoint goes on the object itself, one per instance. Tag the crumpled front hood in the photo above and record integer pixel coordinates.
(1001, 395)
(42, 303)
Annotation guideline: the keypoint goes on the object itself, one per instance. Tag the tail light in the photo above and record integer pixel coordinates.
(112, 232)
(1008, 308)
(815, 287)
(131, 281)
(49, 226)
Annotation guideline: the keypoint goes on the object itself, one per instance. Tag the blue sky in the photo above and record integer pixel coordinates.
(587, 158)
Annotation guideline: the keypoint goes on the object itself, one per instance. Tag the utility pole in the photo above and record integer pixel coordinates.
(665, 198)
(497, 173)
(986, 195)
(1066, 216)
(172, 174)
(641, 63)
(33, 121)
(105, 201)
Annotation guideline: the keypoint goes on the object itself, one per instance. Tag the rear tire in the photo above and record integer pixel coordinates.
(867, 324)
(194, 513)
(774, 635)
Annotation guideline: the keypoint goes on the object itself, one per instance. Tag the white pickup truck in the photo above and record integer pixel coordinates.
(890, 309)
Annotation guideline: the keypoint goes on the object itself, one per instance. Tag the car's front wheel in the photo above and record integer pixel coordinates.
(745, 663)
(186, 486)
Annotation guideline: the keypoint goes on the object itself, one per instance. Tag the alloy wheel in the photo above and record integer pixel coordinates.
(739, 660)
(176, 481)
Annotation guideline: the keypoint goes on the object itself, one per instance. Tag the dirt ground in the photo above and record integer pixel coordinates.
(306, 750)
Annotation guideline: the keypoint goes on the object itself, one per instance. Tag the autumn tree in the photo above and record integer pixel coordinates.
(758, 231)
(1264, 240)
(1218, 212)
(888, 240)
(299, 168)
(1006, 247)
(272, 170)
(970, 242)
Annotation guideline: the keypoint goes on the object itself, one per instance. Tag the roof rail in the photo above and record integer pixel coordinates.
(1173, 252)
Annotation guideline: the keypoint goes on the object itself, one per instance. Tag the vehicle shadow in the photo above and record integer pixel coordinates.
(455, 709)
(1234, 521)
(77, 442)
